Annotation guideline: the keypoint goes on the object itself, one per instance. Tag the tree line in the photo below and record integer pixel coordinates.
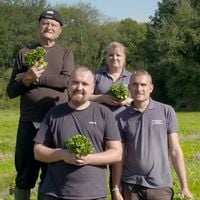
(168, 46)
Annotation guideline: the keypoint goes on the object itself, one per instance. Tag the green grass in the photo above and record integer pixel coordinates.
(189, 122)
(7, 172)
(190, 142)
(191, 149)
(8, 124)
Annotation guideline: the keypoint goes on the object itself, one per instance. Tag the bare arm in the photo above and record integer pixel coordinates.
(112, 154)
(178, 163)
(103, 98)
(108, 99)
(117, 169)
(49, 155)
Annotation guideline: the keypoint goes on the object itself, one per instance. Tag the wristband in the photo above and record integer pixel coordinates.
(115, 189)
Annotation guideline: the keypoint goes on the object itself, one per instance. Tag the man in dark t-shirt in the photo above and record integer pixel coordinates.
(39, 90)
(70, 176)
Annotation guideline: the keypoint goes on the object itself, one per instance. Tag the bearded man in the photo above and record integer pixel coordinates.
(69, 176)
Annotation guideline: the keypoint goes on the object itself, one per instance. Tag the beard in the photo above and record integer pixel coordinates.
(78, 98)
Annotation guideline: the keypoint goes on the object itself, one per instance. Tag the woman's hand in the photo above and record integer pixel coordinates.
(108, 99)
(126, 102)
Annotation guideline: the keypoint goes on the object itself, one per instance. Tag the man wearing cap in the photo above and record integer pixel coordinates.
(39, 90)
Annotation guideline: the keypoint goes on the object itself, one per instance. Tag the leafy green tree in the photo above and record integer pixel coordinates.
(166, 9)
(168, 46)
(187, 69)
(133, 35)
(18, 26)
(86, 34)
(173, 43)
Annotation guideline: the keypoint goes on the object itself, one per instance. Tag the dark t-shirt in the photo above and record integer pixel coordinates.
(145, 135)
(61, 123)
(36, 100)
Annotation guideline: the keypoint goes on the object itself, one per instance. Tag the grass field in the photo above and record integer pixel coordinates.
(189, 136)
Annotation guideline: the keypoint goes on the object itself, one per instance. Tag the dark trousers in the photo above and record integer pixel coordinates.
(137, 192)
(26, 166)
(47, 197)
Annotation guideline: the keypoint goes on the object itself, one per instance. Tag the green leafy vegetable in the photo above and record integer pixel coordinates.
(79, 145)
(119, 91)
(36, 55)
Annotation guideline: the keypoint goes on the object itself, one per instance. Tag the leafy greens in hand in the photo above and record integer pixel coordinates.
(119, 91)
(79, 145)
(36, 55)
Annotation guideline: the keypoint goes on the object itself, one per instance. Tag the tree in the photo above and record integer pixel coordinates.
(86, 34)
(133, 35)
(18, 25)
(174, 60)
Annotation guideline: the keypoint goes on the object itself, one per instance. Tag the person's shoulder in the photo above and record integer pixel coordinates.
(126, 71)
(125, 114)
(159, 103)
(25, 49)
(58, 110)
(60, 48)
(99, 106)
(101, 71)
(28, 48)
(162, 105)
(127, 75)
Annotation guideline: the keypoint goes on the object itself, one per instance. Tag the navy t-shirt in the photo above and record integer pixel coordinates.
(67, 181)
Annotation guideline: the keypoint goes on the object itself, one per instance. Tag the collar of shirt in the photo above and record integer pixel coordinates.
(124, 73)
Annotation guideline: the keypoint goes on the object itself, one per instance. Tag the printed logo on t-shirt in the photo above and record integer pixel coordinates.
(156, 121)
(92, 123)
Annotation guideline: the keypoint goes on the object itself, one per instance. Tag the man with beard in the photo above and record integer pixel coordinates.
(69, 176)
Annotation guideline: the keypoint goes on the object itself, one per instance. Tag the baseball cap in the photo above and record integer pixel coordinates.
(51, 14)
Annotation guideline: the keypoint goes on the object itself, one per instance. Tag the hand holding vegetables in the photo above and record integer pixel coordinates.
(36, 55)
(34, 59)
(79, 145)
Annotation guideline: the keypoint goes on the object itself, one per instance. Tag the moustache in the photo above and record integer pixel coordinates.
(77, 92)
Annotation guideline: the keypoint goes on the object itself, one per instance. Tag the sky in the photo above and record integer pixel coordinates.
(139, 10)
